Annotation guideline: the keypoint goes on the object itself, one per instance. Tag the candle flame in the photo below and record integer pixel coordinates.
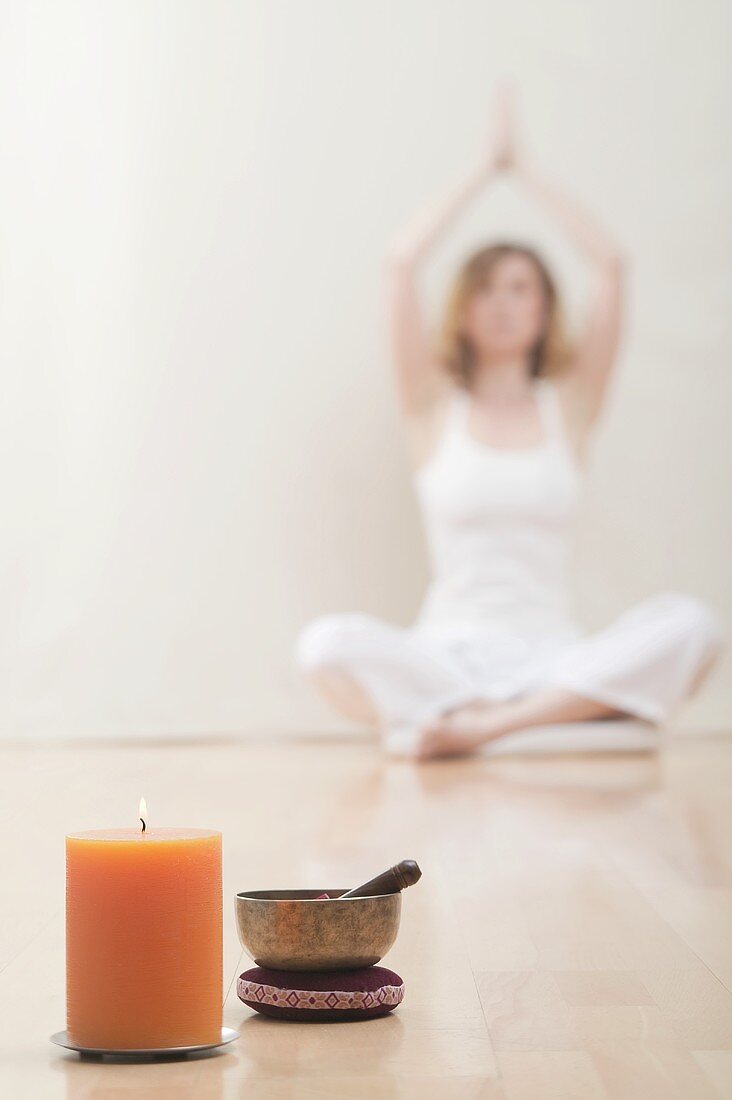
(143, 813)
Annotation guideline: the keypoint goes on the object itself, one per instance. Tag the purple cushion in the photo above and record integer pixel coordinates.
(321, 995)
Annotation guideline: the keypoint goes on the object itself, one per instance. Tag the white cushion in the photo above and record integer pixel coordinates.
(608, 735)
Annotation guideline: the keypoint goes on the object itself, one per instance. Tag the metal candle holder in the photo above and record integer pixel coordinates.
(157, 1054)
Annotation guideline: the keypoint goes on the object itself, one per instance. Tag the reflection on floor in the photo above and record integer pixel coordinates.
(570, 936)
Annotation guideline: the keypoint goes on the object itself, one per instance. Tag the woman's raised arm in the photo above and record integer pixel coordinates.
(421, 381)
(597, 346)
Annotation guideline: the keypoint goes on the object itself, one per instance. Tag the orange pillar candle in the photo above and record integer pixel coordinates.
(144, 938)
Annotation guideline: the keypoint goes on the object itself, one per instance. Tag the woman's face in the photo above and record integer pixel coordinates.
(507, 316)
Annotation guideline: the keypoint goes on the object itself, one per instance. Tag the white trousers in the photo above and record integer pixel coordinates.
(644, 664)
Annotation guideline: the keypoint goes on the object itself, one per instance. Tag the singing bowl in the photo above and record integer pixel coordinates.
(290, 930)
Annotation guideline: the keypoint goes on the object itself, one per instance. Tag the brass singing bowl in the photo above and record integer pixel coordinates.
(290, 930)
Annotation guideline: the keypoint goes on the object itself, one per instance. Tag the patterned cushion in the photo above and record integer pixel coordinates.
(321, 995)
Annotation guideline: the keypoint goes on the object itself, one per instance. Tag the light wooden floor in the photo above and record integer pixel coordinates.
(570, 937)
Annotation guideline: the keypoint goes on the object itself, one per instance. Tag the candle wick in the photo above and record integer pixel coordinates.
(144, 826)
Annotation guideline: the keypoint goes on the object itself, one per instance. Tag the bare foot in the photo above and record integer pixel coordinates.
(458, 734)
(445, 740)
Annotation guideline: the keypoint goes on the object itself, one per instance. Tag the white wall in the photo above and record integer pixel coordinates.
(200, 445)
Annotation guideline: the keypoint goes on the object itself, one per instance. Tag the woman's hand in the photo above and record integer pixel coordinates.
(503, 144)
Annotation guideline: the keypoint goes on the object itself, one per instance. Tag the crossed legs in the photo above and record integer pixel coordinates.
(650, 659)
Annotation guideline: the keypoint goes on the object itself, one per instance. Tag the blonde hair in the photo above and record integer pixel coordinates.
(552, 351)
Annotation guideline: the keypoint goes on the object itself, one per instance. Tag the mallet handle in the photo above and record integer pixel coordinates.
(396, 878)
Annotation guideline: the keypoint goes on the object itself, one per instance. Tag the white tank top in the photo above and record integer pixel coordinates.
(498, 525)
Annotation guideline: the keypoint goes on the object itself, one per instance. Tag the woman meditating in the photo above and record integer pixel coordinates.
(499, 418)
